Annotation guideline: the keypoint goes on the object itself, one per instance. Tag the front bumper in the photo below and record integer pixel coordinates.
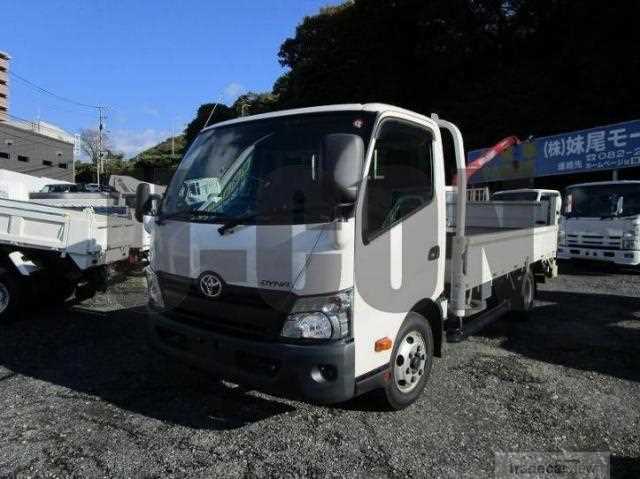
(623, 257)
(322, 373)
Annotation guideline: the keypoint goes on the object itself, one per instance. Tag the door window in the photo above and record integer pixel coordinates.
(400, 178)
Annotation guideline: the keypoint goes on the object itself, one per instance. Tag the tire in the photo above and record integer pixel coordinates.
(59, 293)
(415, 336)
(85, 292)
(11, 297)
(523, 298)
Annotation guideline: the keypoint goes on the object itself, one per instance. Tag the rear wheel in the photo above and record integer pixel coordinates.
(10, 297)
(84, 292)
(524, 295)
(411, 362)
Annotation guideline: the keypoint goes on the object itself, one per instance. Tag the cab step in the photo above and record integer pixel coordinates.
(458, 330)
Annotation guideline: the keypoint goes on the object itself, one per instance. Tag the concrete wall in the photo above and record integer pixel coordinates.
(28, 152)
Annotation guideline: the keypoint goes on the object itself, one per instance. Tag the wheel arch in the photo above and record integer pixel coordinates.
(433, 314)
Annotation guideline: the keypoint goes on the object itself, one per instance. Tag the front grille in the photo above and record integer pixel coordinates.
(594, 241)
(240, 311)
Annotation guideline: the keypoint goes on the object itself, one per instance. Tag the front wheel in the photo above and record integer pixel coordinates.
(411, 362)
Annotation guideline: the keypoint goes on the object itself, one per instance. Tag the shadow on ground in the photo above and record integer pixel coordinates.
(625, 467)
(106, 355)
(595, 268)
(590, 332)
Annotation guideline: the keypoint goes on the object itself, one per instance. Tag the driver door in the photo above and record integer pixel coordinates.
(400, 233)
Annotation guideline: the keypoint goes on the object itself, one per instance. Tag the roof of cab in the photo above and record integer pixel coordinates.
(603, 183)
(374, 107)
(526, 190)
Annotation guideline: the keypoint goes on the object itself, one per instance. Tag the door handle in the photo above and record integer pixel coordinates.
(434, 253)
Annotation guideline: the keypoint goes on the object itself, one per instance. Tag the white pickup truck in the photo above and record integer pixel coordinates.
(328, 270)
(601, 221)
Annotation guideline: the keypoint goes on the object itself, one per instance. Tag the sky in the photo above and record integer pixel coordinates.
(150, 62)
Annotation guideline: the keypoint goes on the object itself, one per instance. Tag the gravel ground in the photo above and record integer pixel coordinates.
(79, 395)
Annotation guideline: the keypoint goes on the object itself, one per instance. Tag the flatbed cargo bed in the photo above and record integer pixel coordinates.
(502, 237)
(89, 239)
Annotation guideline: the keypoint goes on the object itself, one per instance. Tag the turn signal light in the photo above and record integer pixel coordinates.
(383, 344)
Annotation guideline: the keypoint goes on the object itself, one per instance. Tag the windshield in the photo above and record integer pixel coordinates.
(603, 200)
(275, 164)
(516, 196)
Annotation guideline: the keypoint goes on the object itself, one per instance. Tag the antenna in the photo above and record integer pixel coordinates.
(215, 105)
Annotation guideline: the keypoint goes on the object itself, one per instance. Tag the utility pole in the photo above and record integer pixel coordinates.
(173, 137)
(98, 163)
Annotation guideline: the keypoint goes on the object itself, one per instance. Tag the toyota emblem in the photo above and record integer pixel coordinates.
(210, 285)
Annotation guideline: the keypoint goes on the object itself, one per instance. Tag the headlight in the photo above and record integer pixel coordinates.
(320, 317)
(561, 236)
(631, 240)
(153, 287)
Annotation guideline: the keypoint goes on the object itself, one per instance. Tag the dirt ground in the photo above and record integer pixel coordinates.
(82, 394)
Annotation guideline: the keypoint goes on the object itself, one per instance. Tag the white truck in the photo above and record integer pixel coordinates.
(534, 194)
(525, 194)
(601, 221)
(329, 270)
(49, 253)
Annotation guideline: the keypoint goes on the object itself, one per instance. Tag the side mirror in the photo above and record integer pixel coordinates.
(143, 201)
(620, 205)
(568, 204)
(343, 160)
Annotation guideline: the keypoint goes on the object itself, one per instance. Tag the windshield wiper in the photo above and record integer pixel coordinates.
(232, 222)
(191, 215)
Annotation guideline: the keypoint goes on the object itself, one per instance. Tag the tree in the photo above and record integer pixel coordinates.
(495, 67)
(85, 172)
(253, 103)
(250, 103)
(214, 112)
(90, 143)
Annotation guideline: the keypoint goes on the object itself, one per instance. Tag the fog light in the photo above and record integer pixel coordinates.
(324, 373)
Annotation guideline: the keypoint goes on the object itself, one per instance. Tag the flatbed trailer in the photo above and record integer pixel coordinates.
(54, 252)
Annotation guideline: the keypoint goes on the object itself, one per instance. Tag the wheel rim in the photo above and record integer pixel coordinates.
(5, 297)
(410, 361)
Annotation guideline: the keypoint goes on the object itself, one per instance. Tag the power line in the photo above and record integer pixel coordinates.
(55, 95)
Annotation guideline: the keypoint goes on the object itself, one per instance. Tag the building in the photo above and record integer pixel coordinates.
(604, 153)
(4, 85)
(35, 148)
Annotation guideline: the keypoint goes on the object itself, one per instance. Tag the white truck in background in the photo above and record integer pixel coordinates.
(68, 246)
(126, 186)
(49, 253)
(552, 198)
(332, 269)
(601, 221)
(18, 186)
(525, 194)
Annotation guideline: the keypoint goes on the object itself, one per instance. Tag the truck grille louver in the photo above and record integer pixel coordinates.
(239, 311)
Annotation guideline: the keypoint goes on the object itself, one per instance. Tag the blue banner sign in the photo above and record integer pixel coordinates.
(604, 148)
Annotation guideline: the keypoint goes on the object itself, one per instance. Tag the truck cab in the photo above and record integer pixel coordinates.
(323, 267)
(601, 221)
